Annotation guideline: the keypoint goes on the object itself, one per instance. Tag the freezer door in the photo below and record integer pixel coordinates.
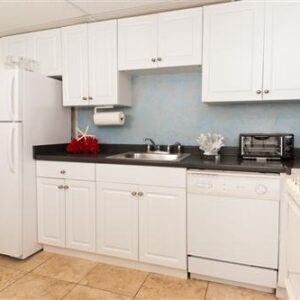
(10, 189)
(10, 93)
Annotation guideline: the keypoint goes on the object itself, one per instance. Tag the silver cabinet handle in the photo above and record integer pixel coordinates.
(60, 187)
(159, 59)
(84, 98)
(66, 187)
(62, 172)
(266, 91)
(258, 92)
(140, 194)
(90, 98)
(133, 193)
(153, 59)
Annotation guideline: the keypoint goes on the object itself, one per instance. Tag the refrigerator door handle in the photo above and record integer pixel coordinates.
(12, 98)
(11, 150)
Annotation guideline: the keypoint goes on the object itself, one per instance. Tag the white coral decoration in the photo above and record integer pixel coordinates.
(210, 143)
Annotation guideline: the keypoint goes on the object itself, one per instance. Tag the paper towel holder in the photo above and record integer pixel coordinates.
(102, 107)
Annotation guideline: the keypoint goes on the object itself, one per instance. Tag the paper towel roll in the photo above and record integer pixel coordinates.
(109, 118)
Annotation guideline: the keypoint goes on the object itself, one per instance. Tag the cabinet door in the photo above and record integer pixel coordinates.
(75, 65)
(80, 215)
(16, 45)
(233, 41)
(137, 39)
(282, 48)
(162, 231)
(185, 47)
(46, 50)
(51, 211)
(117, 217)
(102, 39)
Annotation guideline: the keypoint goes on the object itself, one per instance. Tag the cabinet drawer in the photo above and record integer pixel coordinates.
(66, 170)
(158, 176)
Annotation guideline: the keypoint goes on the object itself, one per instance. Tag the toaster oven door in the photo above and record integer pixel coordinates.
(262, 146)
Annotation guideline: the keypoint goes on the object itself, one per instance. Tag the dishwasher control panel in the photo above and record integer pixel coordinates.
(239, 184)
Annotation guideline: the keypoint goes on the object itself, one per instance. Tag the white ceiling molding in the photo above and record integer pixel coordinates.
(20, 16)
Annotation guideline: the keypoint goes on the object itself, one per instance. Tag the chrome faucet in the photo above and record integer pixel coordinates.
(149, 142)
(178, 147)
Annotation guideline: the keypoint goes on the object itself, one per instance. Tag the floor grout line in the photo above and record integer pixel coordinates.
(25, 272)
(104, 290)
(141, 285)
(206, 290)
(64, 296)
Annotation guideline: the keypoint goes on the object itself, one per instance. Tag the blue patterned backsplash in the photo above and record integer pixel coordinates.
(168, 108)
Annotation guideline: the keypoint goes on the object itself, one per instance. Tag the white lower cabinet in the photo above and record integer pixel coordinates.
(117, 212)
(145, 223)
(138, 221)
(51, 211)
(136, 213)
(80, 215)
(67, 207)
(162, 226)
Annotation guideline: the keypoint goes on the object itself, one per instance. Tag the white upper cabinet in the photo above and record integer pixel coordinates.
(75, 66)
(180, 38)
(137, 43)
(16, 45)
(251, 52)
(282, 48)
(90, 71)
(233, 41)
(162, 40)
(45, 47)
(42, 46)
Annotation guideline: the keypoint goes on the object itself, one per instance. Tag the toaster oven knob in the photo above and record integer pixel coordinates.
(261, 189)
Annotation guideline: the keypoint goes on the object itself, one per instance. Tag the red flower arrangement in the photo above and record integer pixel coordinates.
(83, 144)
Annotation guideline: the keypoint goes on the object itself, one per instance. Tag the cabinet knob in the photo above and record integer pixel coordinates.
(258, 92)
(159, 59)
(84, 98)
(133, 193)
(60, 187)
(66, 187)
(140, 194)
(62, 172)
(90, 98)
(266, 91)
(153, 59)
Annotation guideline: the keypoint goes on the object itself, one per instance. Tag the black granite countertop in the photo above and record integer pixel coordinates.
(229, 159)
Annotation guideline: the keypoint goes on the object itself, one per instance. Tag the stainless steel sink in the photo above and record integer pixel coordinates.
(153, 156)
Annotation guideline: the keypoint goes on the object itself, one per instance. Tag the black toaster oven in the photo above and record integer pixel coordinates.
(266, 146)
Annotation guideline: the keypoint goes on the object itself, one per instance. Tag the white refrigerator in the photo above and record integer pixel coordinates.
(31, 113)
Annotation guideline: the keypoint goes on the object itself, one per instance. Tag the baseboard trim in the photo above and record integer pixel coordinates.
(118, 262)
(234, 283)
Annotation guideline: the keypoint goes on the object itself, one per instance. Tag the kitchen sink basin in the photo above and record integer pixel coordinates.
(159, 156)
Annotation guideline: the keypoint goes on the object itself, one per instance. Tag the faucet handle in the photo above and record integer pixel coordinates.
(179, 148)
(168, 148)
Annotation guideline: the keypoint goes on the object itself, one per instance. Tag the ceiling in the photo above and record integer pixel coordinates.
(19, 16)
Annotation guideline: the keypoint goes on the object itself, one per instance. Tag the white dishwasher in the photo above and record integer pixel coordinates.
(233, 220)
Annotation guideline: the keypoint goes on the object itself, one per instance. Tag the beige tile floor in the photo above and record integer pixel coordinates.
(47, 276)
